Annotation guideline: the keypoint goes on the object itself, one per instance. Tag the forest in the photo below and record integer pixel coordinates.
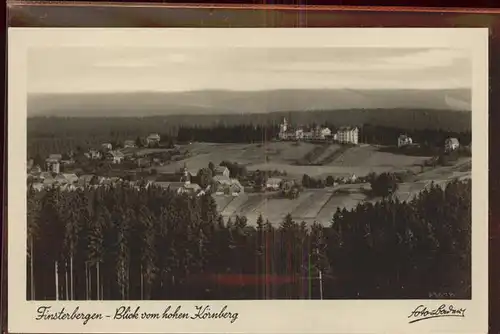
(44, 138)
(120, 243)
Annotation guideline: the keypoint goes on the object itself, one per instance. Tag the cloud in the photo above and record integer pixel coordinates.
(426, 59)
(129, 69)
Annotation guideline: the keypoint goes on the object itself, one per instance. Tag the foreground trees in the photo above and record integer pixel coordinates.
(120, 243)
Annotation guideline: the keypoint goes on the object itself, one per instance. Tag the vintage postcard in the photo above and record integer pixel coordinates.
(247, 180)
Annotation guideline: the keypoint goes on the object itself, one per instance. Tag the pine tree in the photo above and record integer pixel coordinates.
(148, 271)
(33, 216)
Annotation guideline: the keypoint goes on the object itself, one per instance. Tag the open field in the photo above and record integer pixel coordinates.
(282, 156)
(326, 154)
(366, 155)
(319, 205)
(279, 153)
(313, 204)
(463, 165)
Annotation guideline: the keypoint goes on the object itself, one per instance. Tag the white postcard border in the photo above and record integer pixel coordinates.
(273, 316)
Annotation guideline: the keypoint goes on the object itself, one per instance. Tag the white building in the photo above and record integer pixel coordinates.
(404, 140)
(129, 144)
(274, 183)
(289, 133)
(153, 139)
(299, 134)
(94, 154)
(225, 185)
(53, 165)
(321, 133)
(348, 135)
(115, 157)
(325, 133)
(107, 147)
(451, 144)
(66, 178)
(221, 170)
(283, 130)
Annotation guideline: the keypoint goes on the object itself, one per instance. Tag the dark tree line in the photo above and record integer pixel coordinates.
(122, 243)
(236, 170)
(58, 135)
(384, 184)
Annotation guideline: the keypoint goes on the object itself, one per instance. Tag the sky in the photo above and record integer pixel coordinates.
(95, 70)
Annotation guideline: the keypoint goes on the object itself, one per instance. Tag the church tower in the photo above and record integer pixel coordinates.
(284, 126)
(283, 129)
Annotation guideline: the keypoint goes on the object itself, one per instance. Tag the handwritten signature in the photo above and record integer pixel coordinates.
(423, 313)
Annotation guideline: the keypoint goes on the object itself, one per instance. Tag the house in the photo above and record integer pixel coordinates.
(115, 179)
(283, 134)
(289, 133)
(57, 157)
(129, 144)
(273, 183)
(45, 175)
(222, 179)
(87, 179)
(325, 133)
(348, 135)
(36, 170)
(67, 162)
(106, 182)
(66, 178)
(94, 154)
(308, 135)
(47, 182)
(321, 133)
(179, 187)
(299, 134)
(189, 188)
(115, 157)
(38, 186)
(53, 165)
(451, 144)
(221, 170)
(68, 187)
(236, 188)
(404, 140)
(106, 147)
(226, 185)
(153, 139)
(138, 184)
(29, 164)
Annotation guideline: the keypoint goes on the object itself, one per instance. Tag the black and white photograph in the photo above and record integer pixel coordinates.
(187, 172)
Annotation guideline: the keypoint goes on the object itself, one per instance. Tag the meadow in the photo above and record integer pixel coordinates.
(286, 157)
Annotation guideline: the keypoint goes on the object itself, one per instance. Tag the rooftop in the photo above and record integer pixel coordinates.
(347, 128)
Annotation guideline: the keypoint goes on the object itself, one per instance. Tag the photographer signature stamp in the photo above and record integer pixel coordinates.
(422, 312)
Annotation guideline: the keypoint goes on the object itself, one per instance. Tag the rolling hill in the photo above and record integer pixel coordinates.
(235, 102)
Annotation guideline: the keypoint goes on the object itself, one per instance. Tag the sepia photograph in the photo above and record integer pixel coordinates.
(248, 173)
(193, 172)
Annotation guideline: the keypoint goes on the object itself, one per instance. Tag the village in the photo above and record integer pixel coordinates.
(239, 184)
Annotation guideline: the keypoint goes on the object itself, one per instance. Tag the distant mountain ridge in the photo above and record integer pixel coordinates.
(235, 102)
